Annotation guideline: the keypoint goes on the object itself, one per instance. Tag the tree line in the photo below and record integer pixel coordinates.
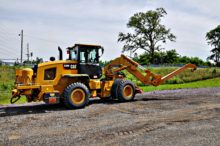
(148, 33)
(169, 57)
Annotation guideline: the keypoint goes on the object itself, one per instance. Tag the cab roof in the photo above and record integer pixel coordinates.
(86, 45)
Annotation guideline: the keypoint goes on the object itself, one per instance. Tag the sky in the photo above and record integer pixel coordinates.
(52, 23)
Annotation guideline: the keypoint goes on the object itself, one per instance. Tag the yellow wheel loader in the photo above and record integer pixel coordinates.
(75, 80)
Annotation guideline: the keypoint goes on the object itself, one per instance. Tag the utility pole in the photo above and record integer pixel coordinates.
(31, 54)
(28, 54)
(21, 35)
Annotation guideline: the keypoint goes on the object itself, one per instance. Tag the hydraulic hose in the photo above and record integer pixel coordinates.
(14, 99)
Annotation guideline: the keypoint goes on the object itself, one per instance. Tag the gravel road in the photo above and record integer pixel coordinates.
(171, 117)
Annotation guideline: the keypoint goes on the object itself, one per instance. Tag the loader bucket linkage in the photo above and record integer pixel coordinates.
(75, 80)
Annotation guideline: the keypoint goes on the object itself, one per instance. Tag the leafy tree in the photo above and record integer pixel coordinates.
(102, 63)
(171, 56)
(148, 32)
(143, 59)
(213, 38)
(159, 57)
(27, 62)
(183, 60)
(196, 61)
(16, 63)
(168, 57)
(38, 60)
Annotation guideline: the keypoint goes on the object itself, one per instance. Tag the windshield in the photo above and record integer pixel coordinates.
(88, 55)
(85, 54)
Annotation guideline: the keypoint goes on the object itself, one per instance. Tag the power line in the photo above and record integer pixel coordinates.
(5, 39)
(5, 54)
(8, 53)
(8, 49)
(8, 33)
(6, 28)
(43, 39)
(34, 37)
(8, 59)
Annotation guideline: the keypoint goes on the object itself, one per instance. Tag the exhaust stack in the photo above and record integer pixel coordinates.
(60, 53)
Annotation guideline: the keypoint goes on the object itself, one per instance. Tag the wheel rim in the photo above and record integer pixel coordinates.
(128, 92)
(78, 96)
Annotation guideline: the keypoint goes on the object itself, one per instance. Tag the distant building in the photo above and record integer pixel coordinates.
(8, 63)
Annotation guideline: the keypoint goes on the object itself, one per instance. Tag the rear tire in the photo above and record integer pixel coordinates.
(126, 91)
(123, 90)
(76, 95)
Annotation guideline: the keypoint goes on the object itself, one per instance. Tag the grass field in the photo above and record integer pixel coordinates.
(202, 77)
(197, 84)
(184, 77)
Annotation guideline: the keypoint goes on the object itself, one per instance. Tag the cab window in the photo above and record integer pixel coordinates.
(73, 55)
(83, 57)
(92, 56)
(50, 74)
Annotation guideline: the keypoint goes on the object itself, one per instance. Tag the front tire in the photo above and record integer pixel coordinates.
(124, 90)
(76, 95)
(114, 90)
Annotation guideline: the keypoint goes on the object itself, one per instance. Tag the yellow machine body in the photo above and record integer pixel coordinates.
(46, 80)
(73, 79)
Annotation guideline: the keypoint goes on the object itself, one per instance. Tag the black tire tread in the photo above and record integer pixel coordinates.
(114, 90)
(121, 85)
(69, 89)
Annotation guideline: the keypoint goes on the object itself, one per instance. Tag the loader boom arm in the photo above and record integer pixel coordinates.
(148, 78)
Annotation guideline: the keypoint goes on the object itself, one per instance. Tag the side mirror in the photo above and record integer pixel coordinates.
(102, 51)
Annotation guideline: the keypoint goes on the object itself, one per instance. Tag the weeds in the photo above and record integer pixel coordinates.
(184, 77)
(7, 78)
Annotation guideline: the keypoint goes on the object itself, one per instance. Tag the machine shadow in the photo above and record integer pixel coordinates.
(46, 108)
(29, 109)
(157, 98)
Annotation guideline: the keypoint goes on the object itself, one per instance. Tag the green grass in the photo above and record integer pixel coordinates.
(7, 79)
(197, 84)
(184, 77)
(202, 77)
(5, 99)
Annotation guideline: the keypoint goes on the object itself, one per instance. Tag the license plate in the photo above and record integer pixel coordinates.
(52, 100)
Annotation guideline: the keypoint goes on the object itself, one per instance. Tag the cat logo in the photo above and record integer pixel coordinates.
(69, 66)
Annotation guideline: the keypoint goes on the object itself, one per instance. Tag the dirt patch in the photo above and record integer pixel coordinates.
(172, 117)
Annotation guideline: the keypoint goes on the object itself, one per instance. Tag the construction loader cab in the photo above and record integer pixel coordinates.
(87, 57)
(74, 81)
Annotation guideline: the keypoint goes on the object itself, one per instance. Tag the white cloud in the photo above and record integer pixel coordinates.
(99, 21)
